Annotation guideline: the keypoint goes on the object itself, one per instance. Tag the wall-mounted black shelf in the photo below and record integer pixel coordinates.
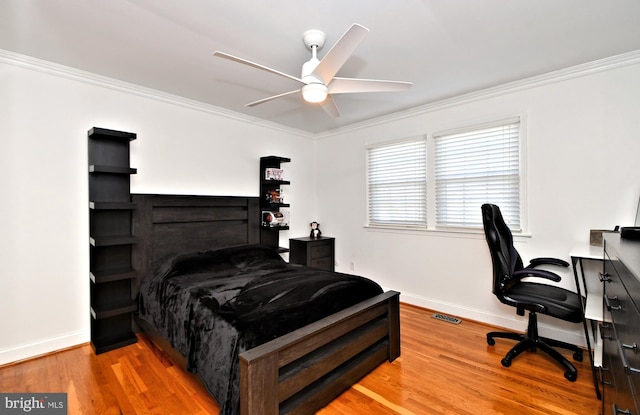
(112, 310)
(279, 205)
(111, 205)
(93, 168)
(275, 183)
(274, 228)
(269, 235)
(110, 239)
(109, 275)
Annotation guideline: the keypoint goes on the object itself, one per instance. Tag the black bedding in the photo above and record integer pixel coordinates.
(214, 305)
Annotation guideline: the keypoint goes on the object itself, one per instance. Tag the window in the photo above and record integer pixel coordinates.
(397, 186)
(475, 166)
(465, 168)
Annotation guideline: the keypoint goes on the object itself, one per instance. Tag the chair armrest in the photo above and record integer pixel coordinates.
(532, 272)
(547, 261)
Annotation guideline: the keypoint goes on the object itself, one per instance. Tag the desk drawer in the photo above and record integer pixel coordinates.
(625, 390)
(623, 311)
(616, 268)
(622, 342)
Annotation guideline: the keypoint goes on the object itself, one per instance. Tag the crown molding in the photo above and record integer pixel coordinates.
(601, 65)
(50, 68)
(573, 72)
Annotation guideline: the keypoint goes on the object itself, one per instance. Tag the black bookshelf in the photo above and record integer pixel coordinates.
(110, 239)
(270, 235)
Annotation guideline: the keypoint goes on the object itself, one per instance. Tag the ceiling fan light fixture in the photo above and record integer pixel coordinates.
(314, 93)
(316, 73)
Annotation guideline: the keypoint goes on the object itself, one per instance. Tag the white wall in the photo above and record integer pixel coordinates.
(583, 144)
(44, 118)
(582, 138)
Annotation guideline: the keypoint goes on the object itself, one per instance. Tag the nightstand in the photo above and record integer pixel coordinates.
(313, 252)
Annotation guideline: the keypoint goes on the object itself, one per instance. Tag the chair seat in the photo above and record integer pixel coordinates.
(556, 301)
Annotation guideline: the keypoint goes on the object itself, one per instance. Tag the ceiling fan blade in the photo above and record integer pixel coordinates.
(330, 107)
(354, 85)
(255, 65)
(339, 53)
(260, 101)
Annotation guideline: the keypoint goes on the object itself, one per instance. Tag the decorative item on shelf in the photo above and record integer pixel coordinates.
(272, 173)
(315, 230)
(274, 196)
(274, 219)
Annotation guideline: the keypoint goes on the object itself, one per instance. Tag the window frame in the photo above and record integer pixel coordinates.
(430, 203)
(471, 184)
(408, 224)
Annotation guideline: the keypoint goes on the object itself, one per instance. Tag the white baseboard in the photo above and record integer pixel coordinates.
(506, 321)
(509, 322)
(44, 346)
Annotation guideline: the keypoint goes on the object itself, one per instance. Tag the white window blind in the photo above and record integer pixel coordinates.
(397, 188)
(476, 166)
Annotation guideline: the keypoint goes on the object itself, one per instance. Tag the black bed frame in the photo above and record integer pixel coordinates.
(297, 373)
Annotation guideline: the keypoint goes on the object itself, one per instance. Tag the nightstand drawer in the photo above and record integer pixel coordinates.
(313, 252)
(322, 263)
(321, 251)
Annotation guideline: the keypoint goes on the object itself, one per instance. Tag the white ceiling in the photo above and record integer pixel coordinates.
(445, 47)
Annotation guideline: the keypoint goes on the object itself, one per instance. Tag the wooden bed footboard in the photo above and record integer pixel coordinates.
(304, 370)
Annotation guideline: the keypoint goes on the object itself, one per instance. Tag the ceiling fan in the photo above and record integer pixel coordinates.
(318, 78)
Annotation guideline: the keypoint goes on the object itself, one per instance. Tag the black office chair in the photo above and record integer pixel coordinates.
(508, 272)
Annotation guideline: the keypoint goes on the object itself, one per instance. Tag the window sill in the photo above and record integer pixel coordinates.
(447, 233)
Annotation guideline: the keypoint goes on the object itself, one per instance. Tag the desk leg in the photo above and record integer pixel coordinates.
(575, 261)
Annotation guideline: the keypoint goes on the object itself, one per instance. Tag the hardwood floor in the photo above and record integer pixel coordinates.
(450, 369)
(444, 369)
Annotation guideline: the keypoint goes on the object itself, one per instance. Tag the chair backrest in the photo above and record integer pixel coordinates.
(504, 256)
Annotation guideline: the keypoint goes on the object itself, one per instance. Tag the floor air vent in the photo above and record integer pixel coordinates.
(446, 318)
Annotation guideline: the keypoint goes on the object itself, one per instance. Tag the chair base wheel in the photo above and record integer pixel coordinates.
(490, 341)
(506, 362)
(571, 376)
(577, 356)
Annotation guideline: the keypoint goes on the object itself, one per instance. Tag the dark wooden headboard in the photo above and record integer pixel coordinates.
(169, 224)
